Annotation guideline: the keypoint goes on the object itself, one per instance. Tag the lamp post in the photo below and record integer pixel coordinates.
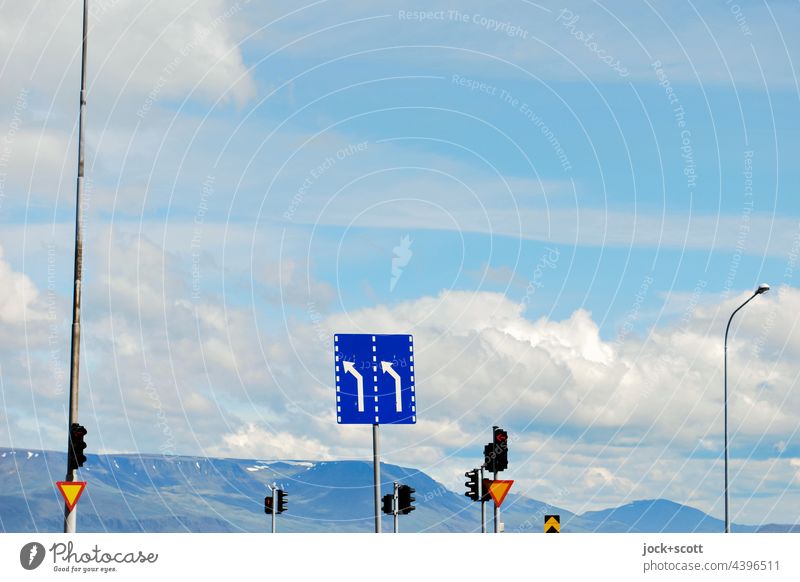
(70, 514)
(763, 288)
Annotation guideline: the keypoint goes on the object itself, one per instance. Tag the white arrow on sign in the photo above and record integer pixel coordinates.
(387, 367)
(349, 367)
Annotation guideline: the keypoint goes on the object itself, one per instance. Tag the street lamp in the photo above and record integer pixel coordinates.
(763, 288)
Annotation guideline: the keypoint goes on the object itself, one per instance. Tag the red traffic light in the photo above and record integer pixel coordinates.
(500, 436)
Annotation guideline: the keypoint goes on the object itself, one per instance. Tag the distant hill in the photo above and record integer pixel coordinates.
(658, 515)
(155, 493)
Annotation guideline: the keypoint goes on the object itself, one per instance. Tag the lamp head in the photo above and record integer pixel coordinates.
(763, 288)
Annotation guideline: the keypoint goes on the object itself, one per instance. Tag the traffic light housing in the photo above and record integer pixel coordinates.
(405, 500)
(283, 497)
(472, 485)
(486, 495)
(488, 457)
(268, 505)
(388, 500)
(75, 456)
(500, 440)
(495, 454)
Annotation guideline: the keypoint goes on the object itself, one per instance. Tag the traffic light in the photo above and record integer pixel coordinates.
(486, 495)
(268, 505)
(495, 454)
(488, 457)
(405, 500)
(282, 499)
(388, 501)
(472, 485)
(500, 439)
(75, 456)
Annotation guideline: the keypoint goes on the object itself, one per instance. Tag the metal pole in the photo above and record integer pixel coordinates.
(481, 493)
(496, 512)
(274, 508)
(725, 406)
(725, 409)
(376, 460)
(396, 508)
(70, 517)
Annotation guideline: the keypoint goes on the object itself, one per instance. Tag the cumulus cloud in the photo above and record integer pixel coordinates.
(137, 48)
(480, 358)
(795, 463)
(19, 297)
(607, 418)
(252, 441)
(612, 419)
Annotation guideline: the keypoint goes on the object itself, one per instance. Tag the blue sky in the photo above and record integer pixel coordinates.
(585, 190)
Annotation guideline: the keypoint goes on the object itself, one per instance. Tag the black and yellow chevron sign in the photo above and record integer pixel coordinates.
(552, 524)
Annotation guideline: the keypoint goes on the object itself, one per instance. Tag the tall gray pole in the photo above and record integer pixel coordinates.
(725, 414)
(496, 512)
(396, 508)
(376, 460)
(481, 493)
(274, 508)
(763, 288)
(70, 517)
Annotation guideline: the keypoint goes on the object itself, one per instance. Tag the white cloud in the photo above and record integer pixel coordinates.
(19, 297)
(139, 49)
(795, 463)
(289, 282)
(253, 442)
(600, 477)
(697, 42)
(609, 420)
(525, 214)
(39, 163)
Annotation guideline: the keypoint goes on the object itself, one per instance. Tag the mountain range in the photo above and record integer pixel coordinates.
(156, 493)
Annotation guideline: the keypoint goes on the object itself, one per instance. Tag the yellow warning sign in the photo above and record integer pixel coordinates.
(499, 489)
(71, 491)
(552, 524)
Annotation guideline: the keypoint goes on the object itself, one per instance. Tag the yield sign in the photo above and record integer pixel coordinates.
(71, 491)
(499, 489)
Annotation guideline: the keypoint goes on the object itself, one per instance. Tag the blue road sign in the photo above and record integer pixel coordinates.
(374, 379)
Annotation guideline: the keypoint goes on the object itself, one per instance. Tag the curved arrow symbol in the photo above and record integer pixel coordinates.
(350, 368)
(387, 367)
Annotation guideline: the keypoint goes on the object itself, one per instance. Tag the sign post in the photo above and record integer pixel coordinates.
(396, 508)
(482, 494)
(498, 489)
(495, 460)
(375, 385)
(70, 517)
(274, 508)
(376, 467)
(496, 509)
